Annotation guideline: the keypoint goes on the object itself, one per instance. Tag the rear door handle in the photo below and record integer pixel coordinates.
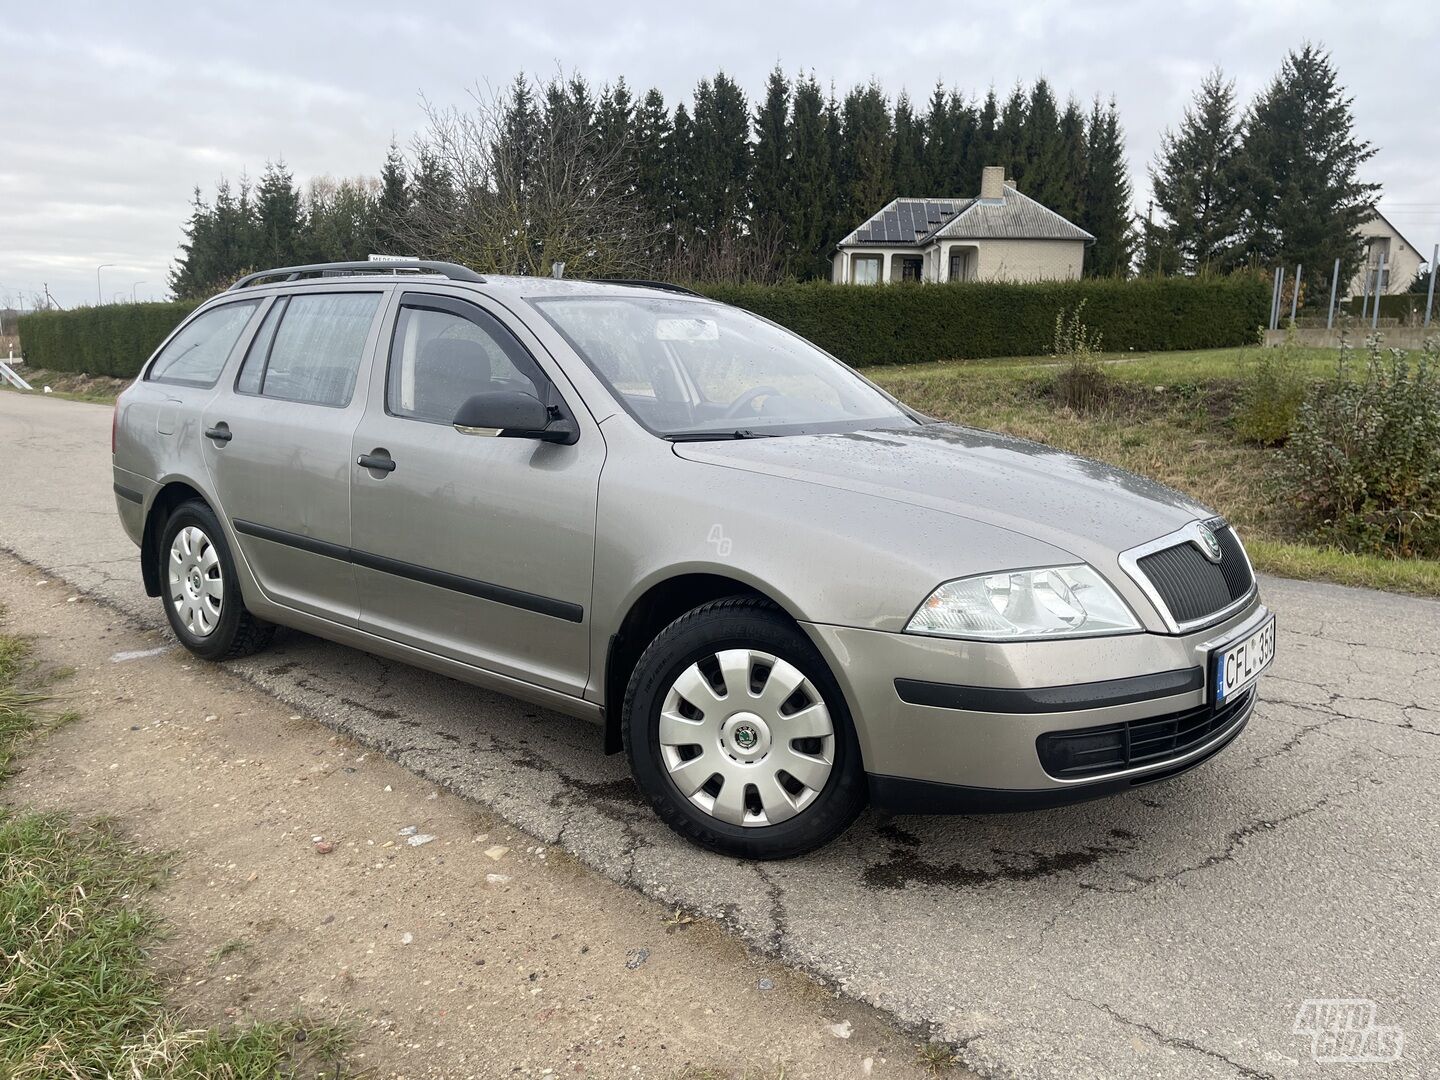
(220, 432)
(379, 460)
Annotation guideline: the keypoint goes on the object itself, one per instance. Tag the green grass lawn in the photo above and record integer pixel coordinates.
(1167, 416)
(79, 997)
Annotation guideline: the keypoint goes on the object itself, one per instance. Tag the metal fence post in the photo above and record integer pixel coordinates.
(1295, 296)
(1430, 292)
(1334, 283)
(1275, 298)
(1379, 285)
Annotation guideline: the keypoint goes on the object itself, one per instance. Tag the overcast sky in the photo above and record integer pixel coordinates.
(111, 114)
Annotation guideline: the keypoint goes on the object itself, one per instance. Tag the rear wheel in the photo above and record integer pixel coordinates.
(739, 735)
(200, 590)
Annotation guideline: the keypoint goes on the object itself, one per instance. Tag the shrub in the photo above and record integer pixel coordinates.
(115, 339)
(866, 324)
(1083, 381)
(1271, 393)
(1363, 462)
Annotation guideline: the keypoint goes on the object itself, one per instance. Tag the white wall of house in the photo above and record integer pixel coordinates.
(1402, 262)
(982, 260)
(1030, 260)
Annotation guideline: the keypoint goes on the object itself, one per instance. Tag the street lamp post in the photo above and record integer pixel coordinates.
(99, 297)
(133, 288)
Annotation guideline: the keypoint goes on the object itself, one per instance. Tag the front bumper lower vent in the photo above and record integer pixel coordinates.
(1072, 755)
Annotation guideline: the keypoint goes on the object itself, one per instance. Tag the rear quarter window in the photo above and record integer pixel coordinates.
(310, 348)
(196, 355)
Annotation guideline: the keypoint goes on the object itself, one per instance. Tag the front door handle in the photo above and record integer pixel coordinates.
(220, 432)
(379, 460)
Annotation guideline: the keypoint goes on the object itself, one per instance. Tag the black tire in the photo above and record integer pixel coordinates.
(237, 632)
(739, 622)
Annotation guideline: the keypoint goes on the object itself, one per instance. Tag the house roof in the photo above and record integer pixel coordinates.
(916, 222)
(1391, 225)
(907, 221)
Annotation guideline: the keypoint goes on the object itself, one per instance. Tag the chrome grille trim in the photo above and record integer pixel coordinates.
(1186, 534)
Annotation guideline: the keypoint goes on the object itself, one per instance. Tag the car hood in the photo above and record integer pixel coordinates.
(1088, 508)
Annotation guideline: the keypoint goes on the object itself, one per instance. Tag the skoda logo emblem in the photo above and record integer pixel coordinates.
(1210, 545)
(746, 737)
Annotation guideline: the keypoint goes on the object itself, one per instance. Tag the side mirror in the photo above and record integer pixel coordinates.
(512, 414)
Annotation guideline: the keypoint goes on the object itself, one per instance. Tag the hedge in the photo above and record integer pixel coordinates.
(891, 324)
(906, 324)
(1409, 308)
(114, 339)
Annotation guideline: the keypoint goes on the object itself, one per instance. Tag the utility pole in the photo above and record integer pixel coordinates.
(1430, 293)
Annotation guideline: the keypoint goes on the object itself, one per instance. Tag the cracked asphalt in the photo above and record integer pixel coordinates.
(1173, 931)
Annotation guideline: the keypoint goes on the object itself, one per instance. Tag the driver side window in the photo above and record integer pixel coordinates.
(439, 360)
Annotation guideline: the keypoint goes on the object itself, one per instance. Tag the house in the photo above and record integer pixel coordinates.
(1002, 235)
(1402, 258)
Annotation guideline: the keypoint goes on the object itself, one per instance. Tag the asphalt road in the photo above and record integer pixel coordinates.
(1174, 931)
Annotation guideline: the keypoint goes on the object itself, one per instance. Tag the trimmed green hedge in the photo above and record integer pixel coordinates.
(892, 324)
(908, 324)
(1409, 308)
(115, 339)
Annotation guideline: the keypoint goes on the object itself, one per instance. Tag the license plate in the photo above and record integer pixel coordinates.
(1240, 663)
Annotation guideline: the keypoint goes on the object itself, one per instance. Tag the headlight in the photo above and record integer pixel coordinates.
(1058, 601)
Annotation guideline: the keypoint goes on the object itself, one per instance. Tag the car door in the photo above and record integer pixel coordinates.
(477, 548)
(278, 444)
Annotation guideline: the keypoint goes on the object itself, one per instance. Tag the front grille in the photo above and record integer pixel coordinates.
(1068, 755)
(1191, 585)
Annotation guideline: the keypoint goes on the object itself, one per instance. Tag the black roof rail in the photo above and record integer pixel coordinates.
(453, 271)
(641, 283)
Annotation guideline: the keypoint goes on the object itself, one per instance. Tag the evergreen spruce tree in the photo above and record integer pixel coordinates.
(810, 194)
(1107, 195)
(1070, 198)
(1041, 149)
(520, 125)
(964, 133)
(867, 177)
(652, 150)
(393, 205)
(279, 217)
(682, 175)
(911, 177)
(1195, 178)
(719, 201)
(940, 166)
(985, 147)
(615, 123)
(1008, 147)
(1302, 196)
(770, 181)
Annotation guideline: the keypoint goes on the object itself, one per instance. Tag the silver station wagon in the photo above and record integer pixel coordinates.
(781, 592)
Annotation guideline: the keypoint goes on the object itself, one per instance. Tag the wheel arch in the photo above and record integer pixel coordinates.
(171, 494)
(660, 604)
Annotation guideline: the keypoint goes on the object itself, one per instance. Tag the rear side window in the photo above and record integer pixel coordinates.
(309, 348)
(196, 355)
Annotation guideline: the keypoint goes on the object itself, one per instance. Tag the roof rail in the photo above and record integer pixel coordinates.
(641, 283)
(453, 271)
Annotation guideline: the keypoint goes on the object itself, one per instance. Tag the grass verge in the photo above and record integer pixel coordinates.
(1166, 416)
(100, 389)
(78, 998)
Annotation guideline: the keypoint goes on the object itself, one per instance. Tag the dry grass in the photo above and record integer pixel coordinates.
(77, 387)
(1166, 416)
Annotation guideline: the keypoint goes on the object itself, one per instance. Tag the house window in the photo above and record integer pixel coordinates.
(866, 269)
(910, 268)
(957, 266)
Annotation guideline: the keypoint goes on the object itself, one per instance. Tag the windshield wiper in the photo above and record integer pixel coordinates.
(715, 436)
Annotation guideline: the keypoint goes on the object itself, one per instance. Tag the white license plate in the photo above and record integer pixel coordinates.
(1237, 665)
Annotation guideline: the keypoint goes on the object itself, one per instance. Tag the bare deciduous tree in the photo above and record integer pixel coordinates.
(505, 186)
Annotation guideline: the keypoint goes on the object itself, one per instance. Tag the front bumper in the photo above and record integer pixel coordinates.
(950, 725)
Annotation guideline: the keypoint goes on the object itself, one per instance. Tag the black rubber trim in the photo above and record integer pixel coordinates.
(484, 590)
(1043, 699)
(129, 495)
(901, 795)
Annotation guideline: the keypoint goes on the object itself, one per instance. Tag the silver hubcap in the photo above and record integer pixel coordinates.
(197, 588)
(746, 737)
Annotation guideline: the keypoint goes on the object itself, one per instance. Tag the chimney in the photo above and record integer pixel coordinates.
(992, 182)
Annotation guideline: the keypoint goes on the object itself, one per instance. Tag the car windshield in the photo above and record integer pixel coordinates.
(692, 370)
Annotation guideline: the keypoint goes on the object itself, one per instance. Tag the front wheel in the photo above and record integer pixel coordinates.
(200, 590)
(739, 736)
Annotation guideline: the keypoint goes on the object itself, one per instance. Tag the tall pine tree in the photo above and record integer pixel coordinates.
(1107, 196)
(280, 220)
(911, 177)
(1196, 182)
(867, 176)
(810, 196)
(1303, 199)
(770, 170)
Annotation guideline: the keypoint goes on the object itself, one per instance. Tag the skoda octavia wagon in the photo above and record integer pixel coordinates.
(781, 592)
